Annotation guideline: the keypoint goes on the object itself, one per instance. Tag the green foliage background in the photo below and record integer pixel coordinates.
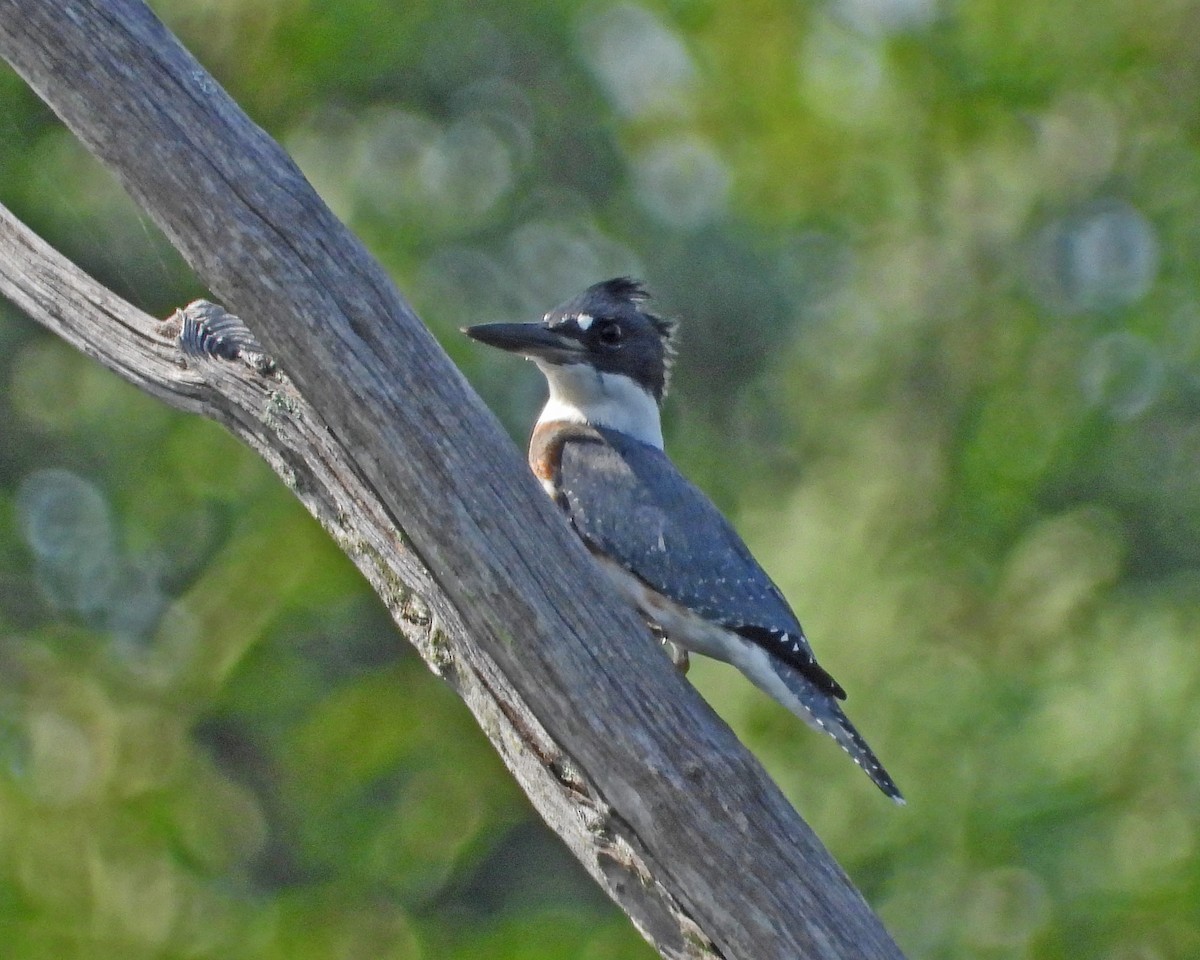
(936, 262)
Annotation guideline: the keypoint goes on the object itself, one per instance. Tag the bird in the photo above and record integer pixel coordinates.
(597, 449)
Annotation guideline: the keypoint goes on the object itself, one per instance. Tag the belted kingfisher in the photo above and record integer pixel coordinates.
(597, 448)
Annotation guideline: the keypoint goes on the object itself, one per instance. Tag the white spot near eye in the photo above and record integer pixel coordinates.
(584, 320)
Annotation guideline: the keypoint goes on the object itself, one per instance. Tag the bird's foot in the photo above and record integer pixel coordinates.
(678, 655)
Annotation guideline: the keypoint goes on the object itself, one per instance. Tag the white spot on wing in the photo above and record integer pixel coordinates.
(692, 632)
(585, 320)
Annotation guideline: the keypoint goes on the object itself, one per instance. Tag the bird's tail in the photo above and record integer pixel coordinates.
(838, 726)
(823, 712)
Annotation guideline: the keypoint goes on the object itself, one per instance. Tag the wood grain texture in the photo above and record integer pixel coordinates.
(380, 436)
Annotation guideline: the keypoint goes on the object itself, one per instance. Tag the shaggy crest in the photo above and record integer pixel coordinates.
(634, 293)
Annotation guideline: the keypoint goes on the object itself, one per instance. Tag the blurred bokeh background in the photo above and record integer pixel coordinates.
(938, 264)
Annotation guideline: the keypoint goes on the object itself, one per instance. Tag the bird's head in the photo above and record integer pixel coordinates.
(605, 329)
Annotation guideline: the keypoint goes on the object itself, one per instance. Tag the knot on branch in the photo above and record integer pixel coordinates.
(209, 332)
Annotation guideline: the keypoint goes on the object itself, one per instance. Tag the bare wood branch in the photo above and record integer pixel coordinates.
(269, 414)
(382, 439)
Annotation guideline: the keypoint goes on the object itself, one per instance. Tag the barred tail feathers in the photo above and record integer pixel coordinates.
(835, 723)
(819, 710)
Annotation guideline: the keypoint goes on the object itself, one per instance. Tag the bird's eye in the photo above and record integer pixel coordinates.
(608, 333)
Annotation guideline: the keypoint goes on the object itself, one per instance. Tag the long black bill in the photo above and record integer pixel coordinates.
(533, 340)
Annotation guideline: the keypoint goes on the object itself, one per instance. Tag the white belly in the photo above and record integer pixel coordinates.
(692, 632)
(680, 624)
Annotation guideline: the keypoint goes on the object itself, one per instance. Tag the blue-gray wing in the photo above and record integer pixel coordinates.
(629, 502)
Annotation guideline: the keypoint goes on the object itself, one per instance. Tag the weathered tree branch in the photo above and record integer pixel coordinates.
(265, 410)
(382, 439)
